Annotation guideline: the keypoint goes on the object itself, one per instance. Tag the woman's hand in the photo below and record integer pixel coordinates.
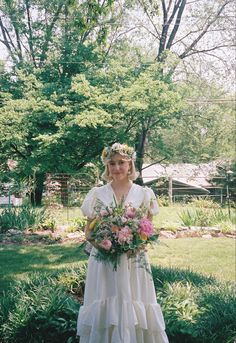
(88, 234)
(134, 252)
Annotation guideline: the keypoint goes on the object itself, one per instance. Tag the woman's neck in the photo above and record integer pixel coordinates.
(121, 183)
(121, 189)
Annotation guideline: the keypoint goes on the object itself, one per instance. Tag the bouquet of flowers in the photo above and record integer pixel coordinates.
(118, 229)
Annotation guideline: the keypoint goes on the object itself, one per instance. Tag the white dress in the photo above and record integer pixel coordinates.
(120, 306)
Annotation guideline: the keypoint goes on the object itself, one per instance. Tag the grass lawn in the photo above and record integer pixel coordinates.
(167, 217)
(211, 257)
(215, 256)
(17, 261)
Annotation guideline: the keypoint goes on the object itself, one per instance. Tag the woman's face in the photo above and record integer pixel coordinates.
(118, 167)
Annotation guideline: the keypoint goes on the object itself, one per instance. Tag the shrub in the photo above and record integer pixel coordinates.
(204, 217)
(218, 313)
(197, 309)
(47, 223)
(74, 280)
(77, 224)
(179, 304)
(163, 201)
(21, 218)
(188, 217)
(204, 203)
(36, 311)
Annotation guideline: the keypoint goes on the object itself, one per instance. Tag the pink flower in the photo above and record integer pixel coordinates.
(146, 227)
(105, 244)
(124, 220)
(124, 235)
(130, 212)
(104, 213)
(12, 164)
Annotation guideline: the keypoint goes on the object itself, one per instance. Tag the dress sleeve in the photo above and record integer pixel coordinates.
(87, 207)
(151, 201)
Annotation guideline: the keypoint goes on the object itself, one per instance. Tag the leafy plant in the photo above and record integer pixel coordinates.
(38, 310)
(196, 308)
(204, 217)
(204, 203)
(21, 218)
(48, 223)
(74, 280)
(188, 217)
(77, 224)
(163, 201)
(180, 307)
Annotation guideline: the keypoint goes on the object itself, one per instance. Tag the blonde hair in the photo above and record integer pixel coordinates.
(131, 176)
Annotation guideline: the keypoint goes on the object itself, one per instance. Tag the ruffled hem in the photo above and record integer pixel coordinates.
(129, 322)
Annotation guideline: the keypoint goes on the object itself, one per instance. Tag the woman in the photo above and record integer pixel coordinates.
(119, 305)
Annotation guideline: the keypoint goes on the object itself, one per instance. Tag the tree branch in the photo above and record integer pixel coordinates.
(167, 22)
(151, 164)
(48, 34)
(210, 49)
(205, 30)
(176, 26)
(149, 17)
(30, 40)
(14, 147)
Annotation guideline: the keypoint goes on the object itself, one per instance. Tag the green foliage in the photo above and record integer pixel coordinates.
(48, 223)
(204, 217)
(180, 308)
(74, 280)
(204, 203)
(204, 132)
(38, 310)
(163, 200)
(78, 224)
(196, 309)
(21, 218)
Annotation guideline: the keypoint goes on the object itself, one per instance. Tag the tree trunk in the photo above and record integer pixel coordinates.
(140, 148)
(64, 189)
(37, 192)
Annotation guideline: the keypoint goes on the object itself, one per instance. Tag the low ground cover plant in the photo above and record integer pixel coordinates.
(25, 217)
(44, 308)
(207, 217)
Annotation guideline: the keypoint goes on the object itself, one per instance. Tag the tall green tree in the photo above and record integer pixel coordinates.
(205, 130)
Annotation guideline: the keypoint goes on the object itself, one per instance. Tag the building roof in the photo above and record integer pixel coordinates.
(191, 175)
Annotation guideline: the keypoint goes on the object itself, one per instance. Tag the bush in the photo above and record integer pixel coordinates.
(21, 218)
(38, 310)
(218, 313)
(163, 201)
(74, 280)
(77, 224)
(47, 223)
(204, 217)
(197, 309)
(204, 203)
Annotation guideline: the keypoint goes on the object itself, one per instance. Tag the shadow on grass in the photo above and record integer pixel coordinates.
(18, 261)
(162, 275)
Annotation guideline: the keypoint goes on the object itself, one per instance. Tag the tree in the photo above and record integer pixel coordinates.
(48, 42)
(199, 34)
(205, 130)
(140, 102)
(32, 30)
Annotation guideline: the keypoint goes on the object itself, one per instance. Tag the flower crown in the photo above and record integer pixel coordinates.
(122, 149)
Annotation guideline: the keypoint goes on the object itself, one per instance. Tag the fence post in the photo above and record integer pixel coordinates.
(170, 189)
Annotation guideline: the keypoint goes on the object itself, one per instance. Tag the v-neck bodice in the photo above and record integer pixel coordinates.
(136, 197)
(126, 196)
